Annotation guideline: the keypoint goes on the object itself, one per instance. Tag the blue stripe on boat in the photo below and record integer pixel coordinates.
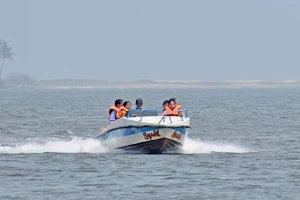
(134, 130)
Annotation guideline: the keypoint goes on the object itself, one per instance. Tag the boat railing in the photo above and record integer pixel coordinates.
(144, 113)
(182, 113)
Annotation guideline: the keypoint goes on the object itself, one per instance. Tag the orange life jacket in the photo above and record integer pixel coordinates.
(115, 108)
(174, 112)
(122, 112)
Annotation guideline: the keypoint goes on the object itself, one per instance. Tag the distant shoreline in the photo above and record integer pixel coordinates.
(98, 84)
(77, 83)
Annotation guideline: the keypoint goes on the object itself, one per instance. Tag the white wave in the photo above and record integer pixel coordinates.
(80, 145)
(194, 146)
(76, 145)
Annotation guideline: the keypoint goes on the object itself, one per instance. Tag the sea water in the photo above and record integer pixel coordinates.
(244, 144)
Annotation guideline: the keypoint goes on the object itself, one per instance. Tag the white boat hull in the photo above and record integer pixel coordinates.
(145, 139)
(150, 135)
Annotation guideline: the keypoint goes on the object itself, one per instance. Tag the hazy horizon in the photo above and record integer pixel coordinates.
(154, 40)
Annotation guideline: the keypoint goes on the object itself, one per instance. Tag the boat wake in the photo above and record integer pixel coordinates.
(89, 145)
(75, 145)
(194, 146)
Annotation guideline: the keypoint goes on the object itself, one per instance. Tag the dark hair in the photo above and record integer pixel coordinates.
(172, 99)
(125, 103)
(165, 102)
(118, 101)
(139, 102)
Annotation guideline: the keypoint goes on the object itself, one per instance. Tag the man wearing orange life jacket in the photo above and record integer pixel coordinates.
(173, 109)
(114, 109)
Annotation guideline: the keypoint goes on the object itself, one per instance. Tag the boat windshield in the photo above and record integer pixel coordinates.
(145, 113)
(140, 113)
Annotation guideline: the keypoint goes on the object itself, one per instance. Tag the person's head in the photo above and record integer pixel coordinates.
(127, 104)
(118, 103)
(139, 103)
(165, 103)
(172, 99)
(172, 104)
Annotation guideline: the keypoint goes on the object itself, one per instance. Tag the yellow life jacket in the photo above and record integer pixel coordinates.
(122, 112)
(115, 108)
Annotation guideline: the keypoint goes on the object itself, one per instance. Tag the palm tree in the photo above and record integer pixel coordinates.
(5, 53)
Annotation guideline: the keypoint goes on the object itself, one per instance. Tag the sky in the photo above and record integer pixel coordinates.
(159, 40)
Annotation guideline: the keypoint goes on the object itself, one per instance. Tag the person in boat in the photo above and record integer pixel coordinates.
(165, 104)
(124, 109)
(173, 109)
(114, 109)
(139, 104)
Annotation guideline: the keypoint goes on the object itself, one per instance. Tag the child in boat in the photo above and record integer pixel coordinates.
(165, 104)
(124, 109)
(173, 109)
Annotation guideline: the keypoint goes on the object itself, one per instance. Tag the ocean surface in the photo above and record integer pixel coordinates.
(244, 144)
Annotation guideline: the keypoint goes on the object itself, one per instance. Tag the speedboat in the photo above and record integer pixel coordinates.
(146, 131)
